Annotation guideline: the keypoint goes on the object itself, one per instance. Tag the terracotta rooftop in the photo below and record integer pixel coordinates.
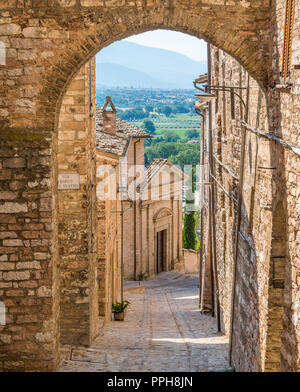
(123, 127)
(113, 144)
(116, 144)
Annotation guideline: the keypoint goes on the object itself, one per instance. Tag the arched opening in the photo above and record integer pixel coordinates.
(89, 243)
(91, 41)
(163, 230)
(164, 254)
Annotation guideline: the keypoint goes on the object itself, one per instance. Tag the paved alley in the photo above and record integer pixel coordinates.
(163, 331)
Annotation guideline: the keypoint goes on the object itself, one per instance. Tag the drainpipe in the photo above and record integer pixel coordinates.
(134, 210)
(238, 223)
(201, 281)
(212, 205)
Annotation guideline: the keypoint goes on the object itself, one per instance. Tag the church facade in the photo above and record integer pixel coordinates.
(149, 199)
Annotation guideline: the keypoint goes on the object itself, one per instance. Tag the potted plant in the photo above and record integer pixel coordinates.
(118, 309)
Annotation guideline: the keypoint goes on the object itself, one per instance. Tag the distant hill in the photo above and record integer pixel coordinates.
(126, 64)
(115, 75)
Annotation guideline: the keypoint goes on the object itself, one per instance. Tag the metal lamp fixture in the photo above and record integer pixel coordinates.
(200, 105)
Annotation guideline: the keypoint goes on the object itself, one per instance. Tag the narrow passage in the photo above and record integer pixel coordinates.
(163, 331)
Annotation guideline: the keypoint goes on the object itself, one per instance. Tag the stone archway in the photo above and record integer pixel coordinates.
(57, 46)
(46, 47)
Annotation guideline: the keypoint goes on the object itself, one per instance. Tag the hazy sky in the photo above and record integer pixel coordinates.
(172, 40)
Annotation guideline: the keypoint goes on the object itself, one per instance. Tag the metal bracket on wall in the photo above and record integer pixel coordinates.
(90, 88)
(233, 94)
(287, 46)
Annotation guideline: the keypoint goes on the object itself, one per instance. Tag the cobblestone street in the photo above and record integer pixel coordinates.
(163, 331)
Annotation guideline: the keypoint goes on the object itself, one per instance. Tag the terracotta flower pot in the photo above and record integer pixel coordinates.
(119, 316)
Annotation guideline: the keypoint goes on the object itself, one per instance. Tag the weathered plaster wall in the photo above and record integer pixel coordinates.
(191, 261)
(148, 223)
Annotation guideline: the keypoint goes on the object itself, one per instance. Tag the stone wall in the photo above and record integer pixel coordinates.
(156, 216)
(28, 253)
(142, 221)
(77, 211)
(191, 261)
(253, 256)
(46, 44)
(109, 239)
(134, 156)
(266, 305)
(285, 120)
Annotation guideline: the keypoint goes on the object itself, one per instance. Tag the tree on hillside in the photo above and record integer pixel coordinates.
(159, 108)
(148, 126)
(192, 134)
(148, 142)
(170, 136)
(134, 114)
(149, 108)
(188, 156)
(167, 111)
(180, 108)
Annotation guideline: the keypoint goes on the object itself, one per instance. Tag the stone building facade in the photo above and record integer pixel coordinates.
(114, 139)
(46, 44)
(76, 209)
(149, 200)
(259, 285)
(153, 228)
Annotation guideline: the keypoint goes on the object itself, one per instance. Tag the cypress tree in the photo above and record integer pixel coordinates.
(189, 233)
(189, 240)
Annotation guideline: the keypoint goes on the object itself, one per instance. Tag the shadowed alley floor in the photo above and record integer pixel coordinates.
(163, 331)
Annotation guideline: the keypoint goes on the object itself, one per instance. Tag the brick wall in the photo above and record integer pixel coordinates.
(28, 254)
(77, 213)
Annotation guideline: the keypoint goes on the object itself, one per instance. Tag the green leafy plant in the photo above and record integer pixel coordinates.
(119, 307)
